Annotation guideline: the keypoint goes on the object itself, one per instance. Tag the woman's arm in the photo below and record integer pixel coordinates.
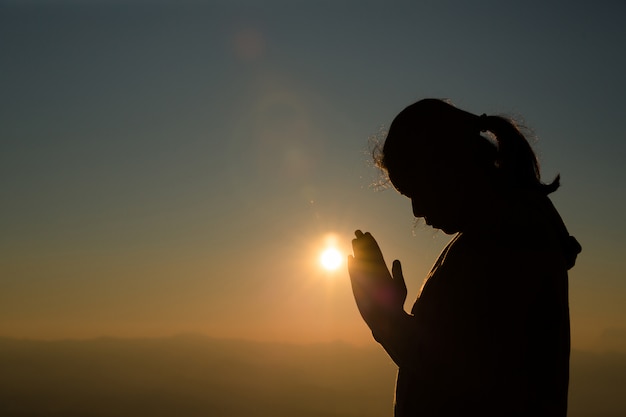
(380, 297)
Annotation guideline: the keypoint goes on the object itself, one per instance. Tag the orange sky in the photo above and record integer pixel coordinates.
(177, 169)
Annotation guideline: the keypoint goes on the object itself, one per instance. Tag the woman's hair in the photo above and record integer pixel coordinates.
(435, 127)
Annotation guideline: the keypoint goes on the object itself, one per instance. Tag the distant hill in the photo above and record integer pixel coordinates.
(192, 376)
(198, 376)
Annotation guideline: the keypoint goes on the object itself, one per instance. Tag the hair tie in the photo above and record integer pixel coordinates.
(482, 123)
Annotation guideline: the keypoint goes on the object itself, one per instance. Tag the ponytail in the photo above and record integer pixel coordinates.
(516, 162)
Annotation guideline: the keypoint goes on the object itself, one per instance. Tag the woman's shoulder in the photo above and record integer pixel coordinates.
(523, 221)
(527, 233)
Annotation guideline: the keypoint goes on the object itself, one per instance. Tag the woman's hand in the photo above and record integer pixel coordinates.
(378, 293)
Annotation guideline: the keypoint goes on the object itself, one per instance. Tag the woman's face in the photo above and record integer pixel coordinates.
(439, 194)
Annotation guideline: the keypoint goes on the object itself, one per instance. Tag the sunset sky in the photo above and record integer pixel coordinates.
(168, 168)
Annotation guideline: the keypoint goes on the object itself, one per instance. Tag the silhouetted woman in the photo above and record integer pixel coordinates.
(489, 333)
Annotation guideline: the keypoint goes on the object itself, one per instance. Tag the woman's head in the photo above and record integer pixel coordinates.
(434, 153)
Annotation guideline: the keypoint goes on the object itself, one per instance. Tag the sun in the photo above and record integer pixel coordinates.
(331, 259)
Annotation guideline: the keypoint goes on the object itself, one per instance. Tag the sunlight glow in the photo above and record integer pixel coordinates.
(331, 259)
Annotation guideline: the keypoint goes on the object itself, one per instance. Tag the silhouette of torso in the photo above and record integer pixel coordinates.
(489, 335)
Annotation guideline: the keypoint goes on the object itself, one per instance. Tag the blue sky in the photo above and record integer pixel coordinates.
(172, 167)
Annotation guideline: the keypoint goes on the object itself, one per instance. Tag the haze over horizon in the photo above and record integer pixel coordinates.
(178, 167)
(196, 376)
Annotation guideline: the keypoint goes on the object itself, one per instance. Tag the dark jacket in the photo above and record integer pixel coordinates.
(489, 333)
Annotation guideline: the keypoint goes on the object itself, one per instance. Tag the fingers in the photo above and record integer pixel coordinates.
(396, 270)
(396, 273)
(355, 270)
(350, 261)
(365, 246)
(359, 239)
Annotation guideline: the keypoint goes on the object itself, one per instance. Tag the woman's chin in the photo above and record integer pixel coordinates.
(446, 228)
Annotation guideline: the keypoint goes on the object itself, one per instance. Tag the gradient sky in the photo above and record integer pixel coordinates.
(178, 168)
